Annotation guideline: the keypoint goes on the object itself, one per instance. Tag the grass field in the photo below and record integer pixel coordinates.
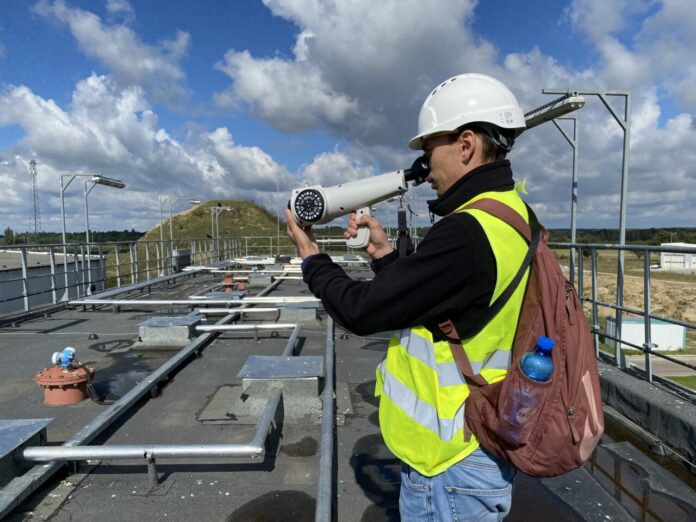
(687, 381)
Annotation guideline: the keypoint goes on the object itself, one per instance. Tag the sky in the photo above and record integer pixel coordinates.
(249, 99)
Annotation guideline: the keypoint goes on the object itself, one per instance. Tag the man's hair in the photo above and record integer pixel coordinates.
(492, 138)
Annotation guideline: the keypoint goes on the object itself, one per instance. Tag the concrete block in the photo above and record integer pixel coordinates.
(233, 295)
(169, 331)
(300, 378)
(259, 280)
(15, 434)
(301, 313)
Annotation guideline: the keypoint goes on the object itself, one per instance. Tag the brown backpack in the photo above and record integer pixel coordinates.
(548, 428)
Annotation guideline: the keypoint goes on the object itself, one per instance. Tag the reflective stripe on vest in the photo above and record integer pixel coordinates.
(448, 373)
(422, 392)
(420, 411)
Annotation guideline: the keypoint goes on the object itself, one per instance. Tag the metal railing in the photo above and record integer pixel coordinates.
(53, 274)
(644, 268)
(48, 274)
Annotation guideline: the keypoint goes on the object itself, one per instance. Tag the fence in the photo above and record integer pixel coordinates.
(51, 274)
(645, 269)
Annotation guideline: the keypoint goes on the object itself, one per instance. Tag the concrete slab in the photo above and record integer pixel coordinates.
(168, 331)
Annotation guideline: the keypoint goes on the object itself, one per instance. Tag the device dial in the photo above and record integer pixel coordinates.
(309, 205)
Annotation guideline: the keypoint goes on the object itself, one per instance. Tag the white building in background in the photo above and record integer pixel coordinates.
(678, 261)
(667, 336)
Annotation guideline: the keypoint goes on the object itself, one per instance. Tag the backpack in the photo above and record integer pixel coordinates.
(548, 428)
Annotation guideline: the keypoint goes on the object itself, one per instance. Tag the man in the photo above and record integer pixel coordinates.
(466, 127)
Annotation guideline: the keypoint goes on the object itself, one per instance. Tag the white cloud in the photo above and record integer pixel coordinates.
(359, 76)
(247, 167)
(120, 8)
(332, 168)
(132, 62)
(362, 79)
(273, 87)
(113, 130)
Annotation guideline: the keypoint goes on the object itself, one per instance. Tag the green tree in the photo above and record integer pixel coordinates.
(9, 236)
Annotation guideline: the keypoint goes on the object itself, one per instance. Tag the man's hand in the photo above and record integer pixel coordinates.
(379, 245)
(302, 237)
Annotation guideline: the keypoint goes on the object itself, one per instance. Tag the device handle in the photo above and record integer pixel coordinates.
(363, 237)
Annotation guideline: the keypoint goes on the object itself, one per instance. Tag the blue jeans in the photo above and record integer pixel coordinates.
(477, 488)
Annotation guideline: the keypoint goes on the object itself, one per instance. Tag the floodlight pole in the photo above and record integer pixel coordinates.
(63, 187)
(215, 224)
(625, 123)
(163, 198)
(95, 179)
(574, 187)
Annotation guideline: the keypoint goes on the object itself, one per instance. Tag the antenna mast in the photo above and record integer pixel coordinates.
(35, 200)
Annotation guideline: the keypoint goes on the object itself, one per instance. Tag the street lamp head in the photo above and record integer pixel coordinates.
(563, 105)
(195, 201)
(109, 182)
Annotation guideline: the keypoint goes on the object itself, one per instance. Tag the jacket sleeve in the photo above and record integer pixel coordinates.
(452, 273)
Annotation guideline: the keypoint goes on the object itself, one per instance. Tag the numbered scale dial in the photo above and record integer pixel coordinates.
(309, 205)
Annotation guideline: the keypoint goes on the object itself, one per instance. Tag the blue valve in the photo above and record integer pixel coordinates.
(64, 358)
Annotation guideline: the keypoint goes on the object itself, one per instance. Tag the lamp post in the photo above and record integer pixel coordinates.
(98, 180)
(215, 224)
(95, 179)
(624, 122)
(573, 142)
(164, 198)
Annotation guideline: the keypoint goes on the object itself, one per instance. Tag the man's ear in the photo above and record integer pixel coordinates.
(467, 145)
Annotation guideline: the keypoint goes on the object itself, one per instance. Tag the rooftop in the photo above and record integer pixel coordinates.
(205, 401)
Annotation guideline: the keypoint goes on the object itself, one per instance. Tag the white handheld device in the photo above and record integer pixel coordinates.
(317, 204)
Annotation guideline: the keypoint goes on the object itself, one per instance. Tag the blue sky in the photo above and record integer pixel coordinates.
(236, 99)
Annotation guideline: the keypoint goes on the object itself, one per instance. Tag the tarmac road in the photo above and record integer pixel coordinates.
(666, 368)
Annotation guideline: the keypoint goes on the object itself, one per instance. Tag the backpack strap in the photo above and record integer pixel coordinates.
(531, 233)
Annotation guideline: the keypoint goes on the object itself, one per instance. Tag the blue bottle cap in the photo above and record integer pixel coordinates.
(545, 343)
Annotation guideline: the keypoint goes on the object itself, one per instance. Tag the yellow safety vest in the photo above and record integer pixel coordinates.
(422, 393)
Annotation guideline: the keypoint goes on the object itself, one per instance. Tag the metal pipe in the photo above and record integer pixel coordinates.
(213, 311)
(196, 302)
(292, 342)
(325, 485)
(243, 327)
(254, 449)
(19, 488)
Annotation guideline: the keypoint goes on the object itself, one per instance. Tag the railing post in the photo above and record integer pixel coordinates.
(25, 278)
(52, 258)
(83, 274)
(118, 266)
(159, 259)
(102, 269)
(88, 246)
(595, 312)
(132, 269)
(137, 263)
(78, 283)
(581, 278)
(648, 345)
(147, 261)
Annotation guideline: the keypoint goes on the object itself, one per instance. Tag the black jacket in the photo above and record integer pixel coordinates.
(451, 276)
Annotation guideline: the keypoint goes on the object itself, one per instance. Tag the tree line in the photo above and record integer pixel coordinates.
(10, 237)
(636, 236)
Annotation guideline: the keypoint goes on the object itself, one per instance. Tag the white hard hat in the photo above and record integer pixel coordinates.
(468, 98)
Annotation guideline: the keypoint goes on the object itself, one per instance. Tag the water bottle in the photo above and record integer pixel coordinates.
(538, 364)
